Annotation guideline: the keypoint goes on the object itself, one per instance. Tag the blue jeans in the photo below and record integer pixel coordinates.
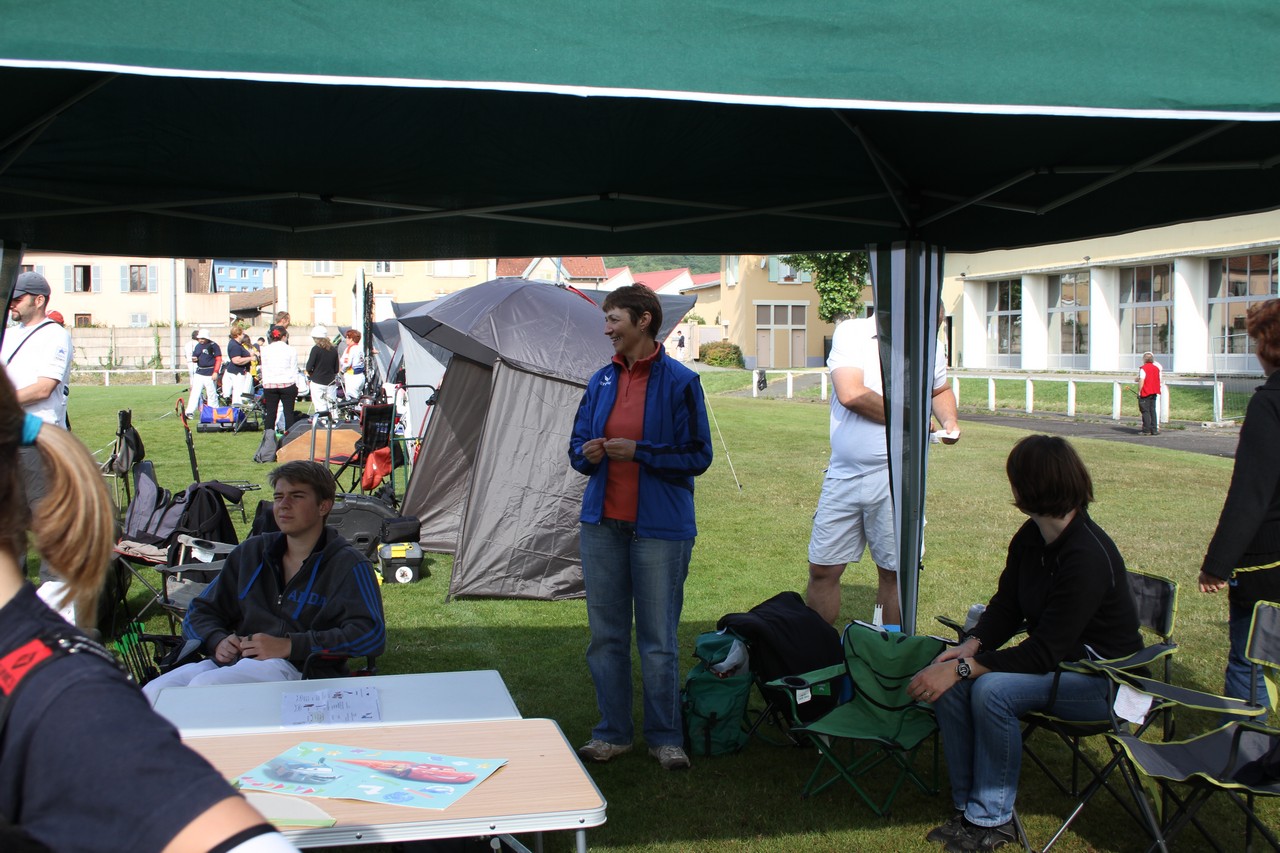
(625, 573)
(1239, 671)
(982, 735)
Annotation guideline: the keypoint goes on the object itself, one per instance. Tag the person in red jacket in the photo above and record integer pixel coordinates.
(1149, 383)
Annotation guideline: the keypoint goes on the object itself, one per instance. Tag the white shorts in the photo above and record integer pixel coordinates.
(854, 514)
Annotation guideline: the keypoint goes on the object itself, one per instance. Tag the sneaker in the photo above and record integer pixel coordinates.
(670, 757)
(972, 837)
(601, 750)
(949, 830)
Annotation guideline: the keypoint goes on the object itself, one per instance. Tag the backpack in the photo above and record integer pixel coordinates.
(204, 515)
(269, 446)
(715, 704)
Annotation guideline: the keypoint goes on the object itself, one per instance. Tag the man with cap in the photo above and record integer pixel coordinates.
(1149, 382)
(205, 355)
(37, 358)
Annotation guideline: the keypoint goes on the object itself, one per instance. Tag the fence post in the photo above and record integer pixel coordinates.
(1031, 395)
(153, 377)
(1217, 402)
(1115, 401)
(955, 388)
(106, 378)
(824, 386)
(790, 384)
(991, 394)
(1162, 410)
(1071, 398)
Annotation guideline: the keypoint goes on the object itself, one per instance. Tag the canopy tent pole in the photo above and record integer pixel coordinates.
(907, 277)
(10, 265)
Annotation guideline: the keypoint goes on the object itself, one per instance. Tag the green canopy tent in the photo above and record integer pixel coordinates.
(400, 129)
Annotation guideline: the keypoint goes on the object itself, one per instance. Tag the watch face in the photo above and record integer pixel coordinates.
(963, 669)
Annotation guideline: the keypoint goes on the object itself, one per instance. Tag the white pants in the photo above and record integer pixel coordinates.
(235, 385)
(201, 385)
(51, 593)
(352, 383)
(322, 397)
(206, 672)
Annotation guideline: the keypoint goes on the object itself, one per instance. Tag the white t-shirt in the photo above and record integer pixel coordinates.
(47, 355)
(858, 444)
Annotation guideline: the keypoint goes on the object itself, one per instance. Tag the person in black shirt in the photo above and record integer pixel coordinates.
(1066, 580)
(322, 370)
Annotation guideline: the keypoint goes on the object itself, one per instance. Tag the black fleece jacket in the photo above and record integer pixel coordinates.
(1248, 533)
(1073, 593)
(332, 604)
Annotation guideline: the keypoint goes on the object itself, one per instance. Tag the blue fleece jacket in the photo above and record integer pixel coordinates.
(675, 448)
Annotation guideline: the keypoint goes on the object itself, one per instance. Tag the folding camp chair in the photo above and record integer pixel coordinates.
(1240, 760)
(784, 636)
(377, 422)
(879, 716)
(1156, 600)
(126, 452)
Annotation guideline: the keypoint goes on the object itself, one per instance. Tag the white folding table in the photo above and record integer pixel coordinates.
(427, 697)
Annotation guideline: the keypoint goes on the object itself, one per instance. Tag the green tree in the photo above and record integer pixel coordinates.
(838, 277)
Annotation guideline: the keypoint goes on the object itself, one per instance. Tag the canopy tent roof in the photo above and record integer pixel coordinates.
(459, 129)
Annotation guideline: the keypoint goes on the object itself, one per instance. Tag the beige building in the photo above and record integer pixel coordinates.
(1180, 291)
(768, 309)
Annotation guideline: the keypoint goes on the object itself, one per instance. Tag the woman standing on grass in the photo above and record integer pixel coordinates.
(1065, 578)
(641, 435)
(322, 370)
(351, 365)
(279, 379)
(85, 764)
(1244, 553)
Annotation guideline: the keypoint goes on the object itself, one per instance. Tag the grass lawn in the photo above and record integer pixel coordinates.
(1159, 505)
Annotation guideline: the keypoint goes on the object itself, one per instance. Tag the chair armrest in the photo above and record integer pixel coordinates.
(812, 679)
(1183, 696)
(1129, 663)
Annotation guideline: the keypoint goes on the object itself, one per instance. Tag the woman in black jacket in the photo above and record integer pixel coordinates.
(322, 370)
(1244, 553)
(1065, 578)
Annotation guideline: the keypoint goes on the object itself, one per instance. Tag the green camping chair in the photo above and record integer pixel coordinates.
(1240, 760)
(878, 724)
(1156, 600)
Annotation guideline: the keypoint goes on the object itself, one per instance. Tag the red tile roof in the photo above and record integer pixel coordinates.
(577, 268)
(656, 279)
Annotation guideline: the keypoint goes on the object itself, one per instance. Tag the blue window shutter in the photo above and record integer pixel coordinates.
(95, 279)
(66, 278)
(124, 278)
(806, 276)
(773, 268)
(153, 279)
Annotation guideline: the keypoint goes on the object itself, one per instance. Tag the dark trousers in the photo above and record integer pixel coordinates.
(1147, 406)
(272, 398)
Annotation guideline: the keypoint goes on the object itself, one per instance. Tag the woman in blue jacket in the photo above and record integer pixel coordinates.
(641, 435)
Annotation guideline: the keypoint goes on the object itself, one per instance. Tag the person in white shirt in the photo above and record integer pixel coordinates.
(37, 359)
(279, 378)
(855, 510)
(351, 365)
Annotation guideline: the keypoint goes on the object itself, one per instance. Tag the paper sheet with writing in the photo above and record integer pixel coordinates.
(326, 707)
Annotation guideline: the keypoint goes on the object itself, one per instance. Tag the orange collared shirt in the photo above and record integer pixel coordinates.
(622, 482)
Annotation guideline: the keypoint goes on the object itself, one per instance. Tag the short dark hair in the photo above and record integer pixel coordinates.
(636, 299)
(1263, 325)
(1048, 477)
(304, 472)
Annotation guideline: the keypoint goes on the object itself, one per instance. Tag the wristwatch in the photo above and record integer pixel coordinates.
(963, 670)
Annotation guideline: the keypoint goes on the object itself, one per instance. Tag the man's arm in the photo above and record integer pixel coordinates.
(855, 396)
(946, 411)
(39, 390)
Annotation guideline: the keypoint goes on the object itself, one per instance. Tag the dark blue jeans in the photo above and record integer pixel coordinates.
(627, 574)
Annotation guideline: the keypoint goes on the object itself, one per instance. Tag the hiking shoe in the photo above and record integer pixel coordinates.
(972, 837)
(949, 830)
(601, 750)
(670, 757)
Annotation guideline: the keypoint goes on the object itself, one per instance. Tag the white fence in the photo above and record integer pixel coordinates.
(1072, 382)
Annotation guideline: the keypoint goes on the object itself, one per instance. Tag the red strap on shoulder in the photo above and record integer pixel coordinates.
(15, 665)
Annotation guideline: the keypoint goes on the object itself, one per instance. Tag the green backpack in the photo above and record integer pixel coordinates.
(714, 705)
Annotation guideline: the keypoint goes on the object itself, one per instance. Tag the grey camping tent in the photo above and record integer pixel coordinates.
(492, 484)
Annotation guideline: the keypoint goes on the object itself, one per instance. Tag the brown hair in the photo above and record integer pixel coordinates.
(323, 343)
(353, 334)
(304, 472)
(1048, 477)
(74, 525)
(636, 299)
(1263, 325)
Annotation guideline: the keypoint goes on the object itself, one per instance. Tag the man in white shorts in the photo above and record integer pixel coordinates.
(855, 510)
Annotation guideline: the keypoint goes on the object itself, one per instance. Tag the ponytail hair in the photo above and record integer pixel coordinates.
(74, 524)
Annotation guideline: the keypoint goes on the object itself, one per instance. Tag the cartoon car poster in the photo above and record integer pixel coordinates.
(423, 780)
